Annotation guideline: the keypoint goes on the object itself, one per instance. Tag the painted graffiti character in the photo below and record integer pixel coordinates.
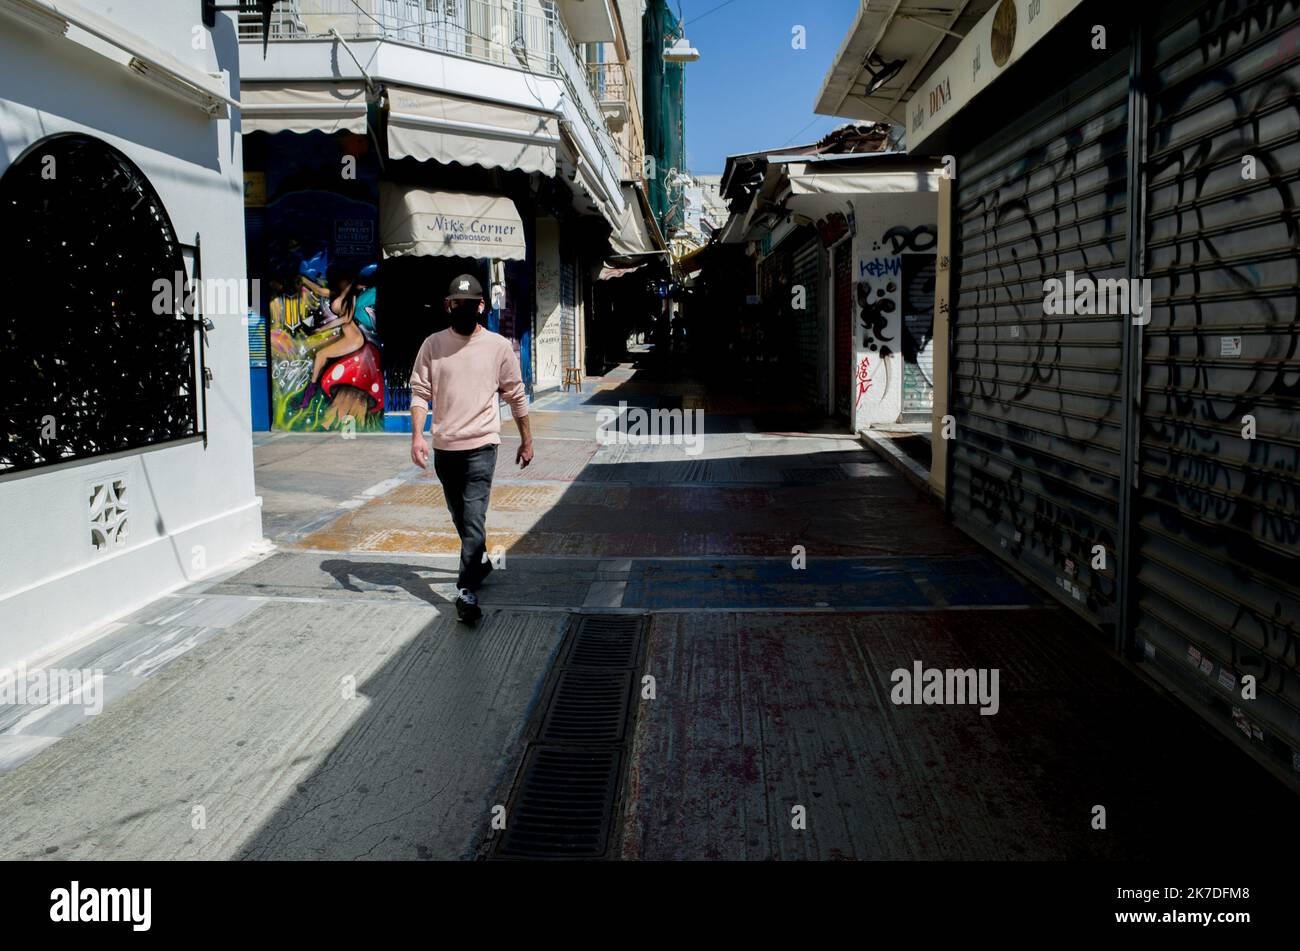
(346, 361)
(342, 325)
(304, 302)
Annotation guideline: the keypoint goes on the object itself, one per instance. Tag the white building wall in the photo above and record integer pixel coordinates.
(633, 13)
(191, 509)
(877, 377)
(550, 359)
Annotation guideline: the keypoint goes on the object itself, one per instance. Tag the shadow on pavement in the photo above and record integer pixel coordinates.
(763, 709)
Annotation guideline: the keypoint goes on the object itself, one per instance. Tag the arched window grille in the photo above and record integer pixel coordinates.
(90, 361)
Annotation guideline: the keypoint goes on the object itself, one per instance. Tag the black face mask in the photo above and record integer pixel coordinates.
(464, 317)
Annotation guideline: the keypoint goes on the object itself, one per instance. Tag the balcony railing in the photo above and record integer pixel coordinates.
(520, 34)
(608, 82)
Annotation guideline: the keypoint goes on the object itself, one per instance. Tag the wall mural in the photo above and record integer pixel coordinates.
(321, 245)
(325, 353)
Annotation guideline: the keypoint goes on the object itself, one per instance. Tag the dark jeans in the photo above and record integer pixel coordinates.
(466, 477)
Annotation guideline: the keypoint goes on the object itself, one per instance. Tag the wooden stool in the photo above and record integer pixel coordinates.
(573, 377)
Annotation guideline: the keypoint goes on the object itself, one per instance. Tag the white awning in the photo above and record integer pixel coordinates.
(633, 234)
(414, 220)
(864, 183)
(303, 107)
(816, 196)
(425, 125)
(734, 230)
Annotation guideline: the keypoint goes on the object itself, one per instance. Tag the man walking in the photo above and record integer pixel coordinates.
(460, 371)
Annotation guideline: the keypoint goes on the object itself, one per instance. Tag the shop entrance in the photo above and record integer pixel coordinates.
(410, 308)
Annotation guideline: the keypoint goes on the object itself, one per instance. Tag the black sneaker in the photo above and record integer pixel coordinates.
(467, 608)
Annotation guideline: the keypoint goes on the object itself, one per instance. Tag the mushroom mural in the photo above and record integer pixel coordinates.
(354, 386)
(327, 365)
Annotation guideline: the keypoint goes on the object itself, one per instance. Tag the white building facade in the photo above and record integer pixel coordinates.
(503, 116)
(127, 468)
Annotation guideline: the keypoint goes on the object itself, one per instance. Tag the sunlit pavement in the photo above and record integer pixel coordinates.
(322, 701)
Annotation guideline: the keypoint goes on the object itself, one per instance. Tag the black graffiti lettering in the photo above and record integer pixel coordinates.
(875, 309)
(902, 238)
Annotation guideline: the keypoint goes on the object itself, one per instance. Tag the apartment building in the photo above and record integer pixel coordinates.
(431, 138)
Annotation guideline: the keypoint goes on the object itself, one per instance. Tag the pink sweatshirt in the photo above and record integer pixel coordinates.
(461, 377)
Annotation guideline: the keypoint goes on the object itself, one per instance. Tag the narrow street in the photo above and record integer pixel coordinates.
(322, 702)
(856, 433)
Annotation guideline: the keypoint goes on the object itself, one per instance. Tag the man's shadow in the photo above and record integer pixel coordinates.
(413, 579)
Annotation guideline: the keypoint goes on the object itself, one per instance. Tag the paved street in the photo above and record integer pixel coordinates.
(322, 701)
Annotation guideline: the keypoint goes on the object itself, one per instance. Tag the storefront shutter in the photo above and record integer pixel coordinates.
(1038, 398)
(843, 326)
(918, 341)
(1217, 532)
(568, 313)
(806, 274)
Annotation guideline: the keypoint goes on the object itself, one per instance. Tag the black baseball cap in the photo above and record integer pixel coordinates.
(465, 287)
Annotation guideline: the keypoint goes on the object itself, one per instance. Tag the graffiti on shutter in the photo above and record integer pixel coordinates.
(1037, 397)
(1217, 594)
(918, 333)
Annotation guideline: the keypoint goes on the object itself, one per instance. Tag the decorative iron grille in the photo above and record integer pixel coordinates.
(89, 365)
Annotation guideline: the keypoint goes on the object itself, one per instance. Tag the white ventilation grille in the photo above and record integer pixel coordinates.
(108, 514)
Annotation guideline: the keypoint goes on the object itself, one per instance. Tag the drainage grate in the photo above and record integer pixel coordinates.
(605, 640)
(589, 706)
(609, 624)
(564, 803)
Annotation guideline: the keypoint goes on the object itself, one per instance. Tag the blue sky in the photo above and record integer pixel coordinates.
(750, 89)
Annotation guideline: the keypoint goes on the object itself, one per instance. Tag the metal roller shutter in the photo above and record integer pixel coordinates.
(807, 324)
(1038, 398)
(918, 335)
(568, 314)
(774, 285)
(843, 327)
(774, 277)
(1217, 532)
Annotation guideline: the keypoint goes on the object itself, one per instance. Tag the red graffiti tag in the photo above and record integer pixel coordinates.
(864, 380)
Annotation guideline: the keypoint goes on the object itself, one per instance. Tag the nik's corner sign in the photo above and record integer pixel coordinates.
(449, 224)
